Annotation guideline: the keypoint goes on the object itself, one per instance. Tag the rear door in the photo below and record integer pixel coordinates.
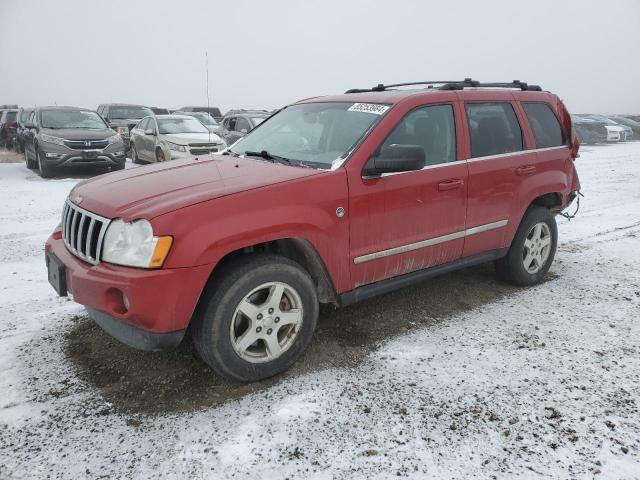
(498, 162)
(408, 221)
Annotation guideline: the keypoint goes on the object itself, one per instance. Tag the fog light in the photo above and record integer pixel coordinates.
(53, 155)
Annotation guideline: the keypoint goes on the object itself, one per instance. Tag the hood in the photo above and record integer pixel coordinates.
(79, 133)
(190, 138)
(146, 192)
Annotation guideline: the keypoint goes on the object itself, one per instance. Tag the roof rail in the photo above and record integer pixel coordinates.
(451, 85)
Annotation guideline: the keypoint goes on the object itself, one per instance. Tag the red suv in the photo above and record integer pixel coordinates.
(331, 200)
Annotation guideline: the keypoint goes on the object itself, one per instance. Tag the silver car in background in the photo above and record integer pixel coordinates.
(168, 137)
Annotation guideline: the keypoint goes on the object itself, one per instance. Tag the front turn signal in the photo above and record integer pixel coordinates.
(161, 251)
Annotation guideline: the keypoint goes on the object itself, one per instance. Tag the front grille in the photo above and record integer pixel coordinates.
(203, 151)
(83, 232)
(86, 144)
(203, 148)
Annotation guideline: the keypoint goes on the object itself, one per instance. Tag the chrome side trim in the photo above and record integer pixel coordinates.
(474, 159)
(430, 242)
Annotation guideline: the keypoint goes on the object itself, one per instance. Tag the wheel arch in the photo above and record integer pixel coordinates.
(297, 249)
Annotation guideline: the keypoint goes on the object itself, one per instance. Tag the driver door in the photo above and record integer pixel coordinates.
(408, 221)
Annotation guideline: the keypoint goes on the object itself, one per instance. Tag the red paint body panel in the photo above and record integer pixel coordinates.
(222, 204)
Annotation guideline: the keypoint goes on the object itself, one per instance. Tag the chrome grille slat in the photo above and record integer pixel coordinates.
(74, 221)
(87, 245)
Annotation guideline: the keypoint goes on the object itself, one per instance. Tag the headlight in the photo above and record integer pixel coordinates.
(133, 245)
(114, 139)
(177, 148)
(50, 139)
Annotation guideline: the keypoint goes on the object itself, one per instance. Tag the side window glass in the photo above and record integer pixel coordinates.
(494, 129)
(546, 128)
(243, 123)
(232, 124)
(143, 125)
(432, 128)
(152, 125)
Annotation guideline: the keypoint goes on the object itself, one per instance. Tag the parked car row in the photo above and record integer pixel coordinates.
(595, 128)
(55, 137)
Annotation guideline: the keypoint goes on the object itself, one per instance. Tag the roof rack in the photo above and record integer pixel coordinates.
(451, 85)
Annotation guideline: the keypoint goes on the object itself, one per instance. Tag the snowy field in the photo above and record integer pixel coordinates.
(541, 382)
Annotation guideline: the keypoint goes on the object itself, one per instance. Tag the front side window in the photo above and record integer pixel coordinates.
(494, 129)
(24, 116)
(546, 128)
(59, 119)
(144, 124)
(316, 134)
(180, 125)
(432, 128)
(231, 124)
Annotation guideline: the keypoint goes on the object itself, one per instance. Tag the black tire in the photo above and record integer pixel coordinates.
(159, 155)
(512, 267)
(134, 154)
(117, 167)
(44, 170)
(211, 328)
(31, 164)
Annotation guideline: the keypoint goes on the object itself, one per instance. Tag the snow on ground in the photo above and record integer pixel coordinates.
(542, 383)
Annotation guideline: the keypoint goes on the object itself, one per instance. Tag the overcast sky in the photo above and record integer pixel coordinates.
(264, 54)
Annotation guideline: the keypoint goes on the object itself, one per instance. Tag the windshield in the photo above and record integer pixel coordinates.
(58, 119)
(204, 118)
(316, 134)
(180, 125)
(11, 116)
(124, 112)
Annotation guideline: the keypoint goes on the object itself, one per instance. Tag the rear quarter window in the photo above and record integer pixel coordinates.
(545, 126)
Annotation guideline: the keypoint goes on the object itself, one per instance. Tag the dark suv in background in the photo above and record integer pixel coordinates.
(70, 136)
(23, 117)
(122, 117)
(237, 123)
(8, 128)
(213, 111)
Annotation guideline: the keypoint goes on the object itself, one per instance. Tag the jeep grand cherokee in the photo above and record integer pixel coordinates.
(331, 200)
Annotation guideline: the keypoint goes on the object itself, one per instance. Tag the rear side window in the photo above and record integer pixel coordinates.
(494, 129)
(546, 128)
(432, 128)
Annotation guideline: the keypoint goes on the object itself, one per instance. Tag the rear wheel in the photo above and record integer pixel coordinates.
(257, 318)
(532, 250)
(45, 170)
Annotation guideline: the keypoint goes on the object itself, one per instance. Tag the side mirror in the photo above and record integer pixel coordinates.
(149, 131)
(244, 130)
(396, 158)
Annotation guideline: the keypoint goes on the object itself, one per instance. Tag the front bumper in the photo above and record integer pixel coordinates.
(146, 309)
(59, 156)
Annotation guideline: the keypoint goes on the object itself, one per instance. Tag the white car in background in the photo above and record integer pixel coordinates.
(168, 137)
(615, 133)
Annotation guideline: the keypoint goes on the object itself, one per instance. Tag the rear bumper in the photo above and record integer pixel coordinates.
(148, 309)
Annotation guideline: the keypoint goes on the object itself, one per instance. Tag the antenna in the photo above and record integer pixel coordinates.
(206, 62)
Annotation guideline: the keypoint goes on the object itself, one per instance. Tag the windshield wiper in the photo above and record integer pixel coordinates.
(267, 156)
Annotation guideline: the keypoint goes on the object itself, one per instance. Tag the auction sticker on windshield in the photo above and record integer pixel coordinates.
(374, 108)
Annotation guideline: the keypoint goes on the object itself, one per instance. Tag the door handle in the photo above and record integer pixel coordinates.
(526, 170)
(450, 185)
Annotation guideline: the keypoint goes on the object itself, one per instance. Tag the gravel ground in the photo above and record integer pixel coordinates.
(459, 377)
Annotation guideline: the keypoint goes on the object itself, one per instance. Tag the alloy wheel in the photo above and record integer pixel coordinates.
(537, 246)
(266, 322)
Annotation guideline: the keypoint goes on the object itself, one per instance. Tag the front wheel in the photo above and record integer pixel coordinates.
(44, 170)
(532, 250)
(159, 155)
(257, 318)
